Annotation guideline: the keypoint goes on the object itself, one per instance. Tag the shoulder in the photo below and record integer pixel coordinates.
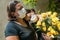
(11, 29)
(10, 26)
(13, 26)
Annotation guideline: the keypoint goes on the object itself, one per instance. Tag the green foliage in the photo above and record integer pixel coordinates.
(52, 6)
(31, 3)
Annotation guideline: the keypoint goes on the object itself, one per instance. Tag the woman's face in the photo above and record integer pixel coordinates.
(28, 16)
(32, 12)
(18, 7)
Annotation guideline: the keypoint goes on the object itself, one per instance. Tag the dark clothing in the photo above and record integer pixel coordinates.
(38, 31)
(24, 33)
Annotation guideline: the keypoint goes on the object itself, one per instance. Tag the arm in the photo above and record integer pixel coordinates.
(46, 37)
(12, 38)
(11, 33)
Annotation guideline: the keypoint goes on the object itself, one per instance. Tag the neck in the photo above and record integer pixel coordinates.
(21, 21)
(26, 18)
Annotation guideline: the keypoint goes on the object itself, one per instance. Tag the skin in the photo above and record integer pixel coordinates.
(32, 12)
(46, 37)
(12, 38)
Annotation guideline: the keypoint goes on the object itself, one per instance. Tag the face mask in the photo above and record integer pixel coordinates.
(33, 18)
(22, 13)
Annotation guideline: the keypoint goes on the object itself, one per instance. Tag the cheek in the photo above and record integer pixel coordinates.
(18, 8)
(28, 15)
(32, 13)
(16, 14)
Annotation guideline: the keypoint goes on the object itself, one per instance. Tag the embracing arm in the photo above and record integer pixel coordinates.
(46, 37)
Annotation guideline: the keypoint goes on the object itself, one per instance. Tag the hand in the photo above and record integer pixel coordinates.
(46, 37)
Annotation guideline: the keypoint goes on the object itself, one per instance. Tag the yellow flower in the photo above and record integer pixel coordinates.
(44, 15)
(50, 28)
(53, 31)
(52, 16)
(44, 28)
(38, 23)
(38, 27)
(55, 14)
(56, 33)
(43, 24)
(49, 33)
(58, 26)
(55, 21)
(49, 13)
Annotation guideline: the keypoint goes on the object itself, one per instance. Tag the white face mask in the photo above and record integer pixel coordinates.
(33, 18)
(22, 13)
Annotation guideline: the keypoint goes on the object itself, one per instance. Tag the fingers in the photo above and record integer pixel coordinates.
(46, 37)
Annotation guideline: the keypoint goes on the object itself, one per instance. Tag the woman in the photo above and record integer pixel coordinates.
(16, 28)
(40, 34)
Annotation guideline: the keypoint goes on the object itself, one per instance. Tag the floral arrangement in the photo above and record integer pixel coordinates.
(49, 23)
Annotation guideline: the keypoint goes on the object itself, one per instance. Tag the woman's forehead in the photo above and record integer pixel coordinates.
(19, 4)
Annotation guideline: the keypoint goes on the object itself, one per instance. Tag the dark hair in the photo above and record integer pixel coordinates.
(11, 9)
(33, 10)
(28, 11)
